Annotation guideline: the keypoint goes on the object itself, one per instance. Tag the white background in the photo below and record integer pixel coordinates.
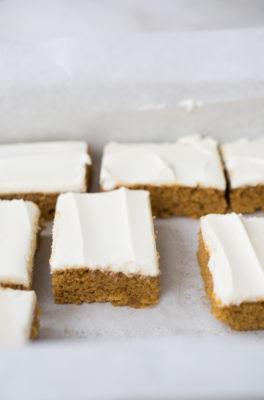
(102, 70)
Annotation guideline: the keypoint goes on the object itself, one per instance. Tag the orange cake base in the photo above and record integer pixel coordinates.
(12, 286)
(246, 316)
(35, 324)
(167, 200)
(84, 285)
(45, 201)
(247, 199)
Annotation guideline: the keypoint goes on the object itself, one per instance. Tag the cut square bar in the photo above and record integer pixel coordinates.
(184, 178)
(40, 171)
(244, 163)
(231, 258)
(18, 316)
(19, 226)
(104, 249)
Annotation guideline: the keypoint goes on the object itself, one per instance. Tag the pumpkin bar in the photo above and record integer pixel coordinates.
(104, 249)
(18, 316)
(19, 226)
(184, 178)
(40, 171)
(244, 163)
(231, 258)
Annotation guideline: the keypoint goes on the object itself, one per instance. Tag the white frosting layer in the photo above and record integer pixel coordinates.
(244, 161)
(17, 308)
(18, 236)
(43, 167)
(191, 161)
(108, 231)
(236, 247)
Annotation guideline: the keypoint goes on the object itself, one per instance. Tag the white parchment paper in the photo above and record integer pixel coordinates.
(129, 88)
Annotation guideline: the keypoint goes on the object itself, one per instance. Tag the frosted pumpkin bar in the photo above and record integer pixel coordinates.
(231, 258)
(244, 163)
(184, 178)
(19, 226)
(18, 316)
(104, 249)
(40, 171)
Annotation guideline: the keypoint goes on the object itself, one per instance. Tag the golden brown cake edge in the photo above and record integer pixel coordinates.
(85, 285)
(35, 324)
(247, 199)
(177, 200)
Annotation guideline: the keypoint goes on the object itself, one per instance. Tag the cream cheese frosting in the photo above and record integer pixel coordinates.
(244, 161)
(236, 247)
(43, 167)
(191, 161)
(108, 231)
(17, 309)
(18, 237)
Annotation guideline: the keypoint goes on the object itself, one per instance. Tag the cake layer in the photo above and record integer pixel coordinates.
(191, 161)
(45, 201)
(84, 285)
(17, 314)
(247, 199)
(244, 162)
(105, 231)
(18, 240)
(184, 201)
(235, 245)
(43, 167)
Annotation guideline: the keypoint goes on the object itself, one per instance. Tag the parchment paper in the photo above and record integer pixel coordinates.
(129, 88)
